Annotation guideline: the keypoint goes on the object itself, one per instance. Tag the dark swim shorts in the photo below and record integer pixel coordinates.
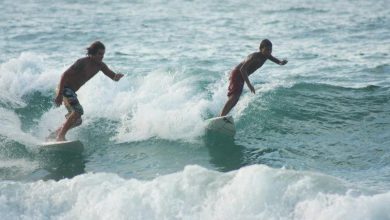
(71, 102)
(236, 83)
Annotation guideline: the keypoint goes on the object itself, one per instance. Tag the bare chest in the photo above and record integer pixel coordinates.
(88, 71)
(256, 65)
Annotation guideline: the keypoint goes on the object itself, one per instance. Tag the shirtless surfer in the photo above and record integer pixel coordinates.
(239, 75)
(71, 81)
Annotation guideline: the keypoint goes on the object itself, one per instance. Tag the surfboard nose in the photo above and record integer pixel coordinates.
(63, 146)
(224, 125)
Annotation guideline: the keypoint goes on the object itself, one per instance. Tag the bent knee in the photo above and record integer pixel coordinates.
(78, 122)
(76, 118)
(74, 115)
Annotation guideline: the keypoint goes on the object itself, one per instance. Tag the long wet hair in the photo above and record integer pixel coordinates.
(265, 43)
(95, 47)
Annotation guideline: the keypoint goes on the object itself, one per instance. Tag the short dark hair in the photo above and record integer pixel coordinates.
(265, 43)
(95, 47)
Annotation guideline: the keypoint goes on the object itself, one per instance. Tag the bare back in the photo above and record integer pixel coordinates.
(254, 61)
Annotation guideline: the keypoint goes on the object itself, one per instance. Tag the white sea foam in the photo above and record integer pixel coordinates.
(254, 192)
(335, 206)
(50, 121)
(164, 105)
(20, 76)
(11, 128)
(12, 168)
(24, 74)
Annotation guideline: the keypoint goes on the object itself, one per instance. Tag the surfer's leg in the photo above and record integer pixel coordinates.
(53, 135)
(73, 118)
(236, 84)
(231, 102)
(72, 121)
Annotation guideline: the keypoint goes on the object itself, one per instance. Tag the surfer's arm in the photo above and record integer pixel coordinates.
(66, 76)
(111, 74)
(244, 72)
(276, 60)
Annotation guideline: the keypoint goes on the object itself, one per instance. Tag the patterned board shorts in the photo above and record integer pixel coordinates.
(71, 102)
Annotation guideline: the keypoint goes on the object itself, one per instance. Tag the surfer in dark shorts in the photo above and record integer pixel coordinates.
(239, 75)
(71, 81)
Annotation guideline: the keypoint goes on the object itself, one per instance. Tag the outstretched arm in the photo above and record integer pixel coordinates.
(244, 71)
(277, 61)
(108, 72)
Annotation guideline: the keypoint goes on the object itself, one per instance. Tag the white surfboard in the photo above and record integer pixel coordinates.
(65, 146)
(224, 125)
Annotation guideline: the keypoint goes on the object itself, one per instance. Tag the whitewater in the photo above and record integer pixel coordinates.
(312, 143)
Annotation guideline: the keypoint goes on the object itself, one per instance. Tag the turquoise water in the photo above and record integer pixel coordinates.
(312, 143)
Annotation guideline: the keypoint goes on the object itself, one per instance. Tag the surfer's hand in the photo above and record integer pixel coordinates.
(58, 100)
(118, 76)
(251, 88)
(283, 62)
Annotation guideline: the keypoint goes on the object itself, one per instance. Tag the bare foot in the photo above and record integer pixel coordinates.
(52, 136)
(60, 138)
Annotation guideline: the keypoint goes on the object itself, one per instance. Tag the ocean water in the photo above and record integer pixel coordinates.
(312, 143)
